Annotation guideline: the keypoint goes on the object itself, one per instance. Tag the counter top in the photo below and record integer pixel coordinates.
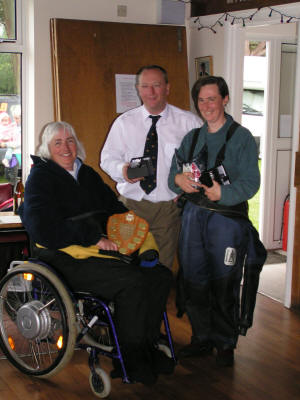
(9, 220)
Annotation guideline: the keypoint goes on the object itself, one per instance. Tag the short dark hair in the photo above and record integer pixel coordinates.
(148, 67)
(209, 80)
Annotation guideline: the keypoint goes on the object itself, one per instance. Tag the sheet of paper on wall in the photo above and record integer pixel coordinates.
(126, 94)
(285, 126)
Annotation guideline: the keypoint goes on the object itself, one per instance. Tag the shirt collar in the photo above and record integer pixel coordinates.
(163, 114)
(76, 167)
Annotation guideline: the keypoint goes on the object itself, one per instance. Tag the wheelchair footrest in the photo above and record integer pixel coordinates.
(89, 340)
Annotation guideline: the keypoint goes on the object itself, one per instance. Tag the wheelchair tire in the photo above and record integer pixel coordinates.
(37, 320)
(100, 383)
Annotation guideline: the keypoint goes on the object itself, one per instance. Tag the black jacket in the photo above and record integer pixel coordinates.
(59, 211)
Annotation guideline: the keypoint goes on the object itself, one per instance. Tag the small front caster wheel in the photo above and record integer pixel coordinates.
(100, 383)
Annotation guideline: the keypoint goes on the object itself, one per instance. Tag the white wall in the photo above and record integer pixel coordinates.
(141, 11)
(205, 43)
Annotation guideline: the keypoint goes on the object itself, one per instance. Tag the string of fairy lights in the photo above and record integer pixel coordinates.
(233, 19)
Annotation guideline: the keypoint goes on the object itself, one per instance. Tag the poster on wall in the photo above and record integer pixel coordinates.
(126, 93)
(204, 66)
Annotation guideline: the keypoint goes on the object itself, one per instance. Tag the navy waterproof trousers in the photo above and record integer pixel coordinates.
(212, 251)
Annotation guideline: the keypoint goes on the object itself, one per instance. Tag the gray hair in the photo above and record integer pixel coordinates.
(49, 131)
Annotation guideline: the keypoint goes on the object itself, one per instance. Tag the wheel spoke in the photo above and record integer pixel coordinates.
(34, 355)
(8, 304)
(46, 305)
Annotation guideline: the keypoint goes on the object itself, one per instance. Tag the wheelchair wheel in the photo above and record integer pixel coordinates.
(100, 383)
(37, 320)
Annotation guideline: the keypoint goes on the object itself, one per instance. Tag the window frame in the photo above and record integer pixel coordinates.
(20, 45)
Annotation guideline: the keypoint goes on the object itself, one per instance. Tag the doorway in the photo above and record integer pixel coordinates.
(268, 104)
(255, 77)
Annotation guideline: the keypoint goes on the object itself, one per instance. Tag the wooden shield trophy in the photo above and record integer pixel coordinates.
(128, 231)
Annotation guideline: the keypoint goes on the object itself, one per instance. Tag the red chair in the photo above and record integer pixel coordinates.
(6, 197)
(14, 243)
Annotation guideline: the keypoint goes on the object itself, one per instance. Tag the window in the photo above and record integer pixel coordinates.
(10, 95)
(7, 20)
(287, 89)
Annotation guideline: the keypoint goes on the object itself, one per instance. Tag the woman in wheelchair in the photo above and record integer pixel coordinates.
(65, 212)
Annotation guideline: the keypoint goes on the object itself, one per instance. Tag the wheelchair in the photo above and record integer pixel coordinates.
(42, 323)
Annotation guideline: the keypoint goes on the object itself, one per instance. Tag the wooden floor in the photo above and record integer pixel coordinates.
(267, 367)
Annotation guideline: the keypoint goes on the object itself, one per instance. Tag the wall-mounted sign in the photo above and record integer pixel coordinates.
(126, 93)
(207, 7)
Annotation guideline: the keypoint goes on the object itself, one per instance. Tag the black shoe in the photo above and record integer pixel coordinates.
(139, 368)
(225, 358)
(196, 349)
(162, 364)
(143, 374)
(117, 371)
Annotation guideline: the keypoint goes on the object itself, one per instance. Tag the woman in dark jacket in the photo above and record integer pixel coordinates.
(65, 211)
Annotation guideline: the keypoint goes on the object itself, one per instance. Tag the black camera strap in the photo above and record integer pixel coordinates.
(193, 145)
(221, 155)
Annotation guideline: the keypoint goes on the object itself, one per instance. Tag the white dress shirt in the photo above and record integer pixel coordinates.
(126, 140)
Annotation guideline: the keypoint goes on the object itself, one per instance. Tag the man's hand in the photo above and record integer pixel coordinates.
(106, 244)
(124, 170)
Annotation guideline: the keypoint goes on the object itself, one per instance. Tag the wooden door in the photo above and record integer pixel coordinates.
(86, 55)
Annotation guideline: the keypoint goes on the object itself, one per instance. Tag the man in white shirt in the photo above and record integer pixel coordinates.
(126, 140)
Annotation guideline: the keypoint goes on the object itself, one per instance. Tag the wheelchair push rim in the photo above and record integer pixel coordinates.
(37, 320)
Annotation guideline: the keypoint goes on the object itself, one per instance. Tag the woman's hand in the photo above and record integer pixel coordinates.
(106, 244)
(124, 170)
(213, 193)
(186, 182)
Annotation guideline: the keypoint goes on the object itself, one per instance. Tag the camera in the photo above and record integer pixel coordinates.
(206, 177)
(140, 167)
(217, 174)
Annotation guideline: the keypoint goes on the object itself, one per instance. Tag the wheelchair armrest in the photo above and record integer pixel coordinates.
(149, 258)
(122, 257)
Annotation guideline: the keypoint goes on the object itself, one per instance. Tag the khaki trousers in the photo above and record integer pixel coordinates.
(164, 223)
